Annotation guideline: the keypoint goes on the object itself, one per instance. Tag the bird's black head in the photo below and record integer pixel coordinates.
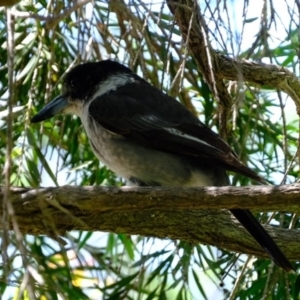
(82, 82)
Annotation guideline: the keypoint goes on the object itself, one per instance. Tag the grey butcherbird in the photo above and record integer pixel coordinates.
(149, 138)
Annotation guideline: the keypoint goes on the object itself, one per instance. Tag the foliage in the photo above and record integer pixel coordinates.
(50, 38)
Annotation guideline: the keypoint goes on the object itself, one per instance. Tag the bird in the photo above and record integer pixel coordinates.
(150, 138)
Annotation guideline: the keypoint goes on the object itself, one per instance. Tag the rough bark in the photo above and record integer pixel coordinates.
(195, 215)
(215, 66)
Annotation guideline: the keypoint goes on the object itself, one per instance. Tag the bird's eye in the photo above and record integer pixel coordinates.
(73, 83)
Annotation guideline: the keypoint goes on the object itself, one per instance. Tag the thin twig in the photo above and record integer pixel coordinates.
(52, 21)
(8, 210)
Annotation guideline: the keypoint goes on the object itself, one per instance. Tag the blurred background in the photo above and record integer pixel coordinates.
(41, 41)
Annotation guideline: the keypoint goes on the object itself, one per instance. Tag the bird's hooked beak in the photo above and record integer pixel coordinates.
(51, 109)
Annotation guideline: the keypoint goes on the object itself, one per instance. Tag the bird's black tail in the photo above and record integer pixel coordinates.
(246, 218)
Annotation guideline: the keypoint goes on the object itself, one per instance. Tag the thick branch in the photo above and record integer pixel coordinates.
(178, 213)
(194, 31)
(266, 75)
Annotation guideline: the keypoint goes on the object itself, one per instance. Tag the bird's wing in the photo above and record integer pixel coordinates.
(155, 120)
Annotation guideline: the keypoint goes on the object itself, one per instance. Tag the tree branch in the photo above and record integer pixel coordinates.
(189, 214)
(224, 67)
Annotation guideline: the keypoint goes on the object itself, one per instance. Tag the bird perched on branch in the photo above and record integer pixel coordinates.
(149, 138)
